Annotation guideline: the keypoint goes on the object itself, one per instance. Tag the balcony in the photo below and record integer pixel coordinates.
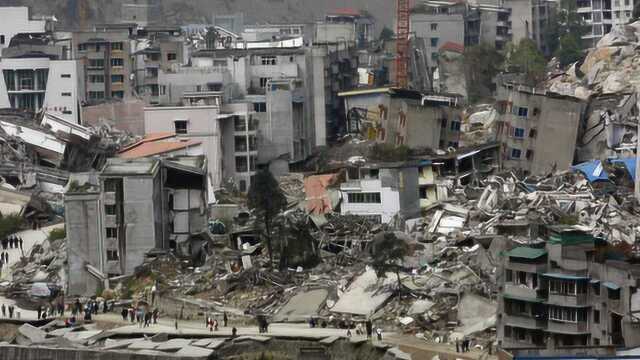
(568, 300)
(520, 292)
(526, 267)
(560, 327)
(525, 321)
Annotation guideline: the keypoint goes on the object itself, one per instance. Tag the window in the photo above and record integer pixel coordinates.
(82, 47)
(253, 143)
(507, 331)
(96, 95)
(96, 79)
(242, 185)
(565, 287)
(516, 153)
(597, 17)
(614, 294)
(117, 94)
(172, 56)
(110, 209)
(112, 255)
(434, 42)
(263, 82)
(240, 144)
(443, 123)
(434, 27)
(523, 111)
(518, 132)
(2, 39)
(364, 198)
(180, 126)
(455, 125)
(596, 316)
(110, 185)
(508, 275)
(117, 62)
(268, 60)
(239, 123)
(522, 278)
(67, 112)
(66, 94)
(260, 107)
(117, 78)
(627, 2)
(96, 63)
(117, 46)
(596, 288)
(533, 133)
(242, 164)
(112, 232)
(558, 313)
(596, 342)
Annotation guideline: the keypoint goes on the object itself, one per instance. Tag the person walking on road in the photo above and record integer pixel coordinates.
(4, 311)
(225, 319)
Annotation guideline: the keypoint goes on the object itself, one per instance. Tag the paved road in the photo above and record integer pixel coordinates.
(30, 238)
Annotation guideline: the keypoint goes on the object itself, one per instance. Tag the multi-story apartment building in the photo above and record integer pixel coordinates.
(106, 55)
(132, 206)
(381, 191)
(529, 20)
(538, 129)
(602, 15)
(576, 295)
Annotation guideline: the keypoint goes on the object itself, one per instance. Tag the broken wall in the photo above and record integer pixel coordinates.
(123, 115)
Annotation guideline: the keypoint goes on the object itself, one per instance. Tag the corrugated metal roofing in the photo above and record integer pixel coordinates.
(527, 252)
(592, 170)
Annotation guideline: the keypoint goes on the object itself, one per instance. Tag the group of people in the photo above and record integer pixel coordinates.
(140, 316)
(12, 242)
(4, 259)
(10, 309)
(463, 346)
(367, 329)
(212, 322)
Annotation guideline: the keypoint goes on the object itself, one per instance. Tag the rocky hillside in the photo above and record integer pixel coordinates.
(199, 11)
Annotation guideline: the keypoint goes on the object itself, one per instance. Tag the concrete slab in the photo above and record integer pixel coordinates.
(111, 344)
(28, 334)
(330, 340)
(302, 306)
(59, 332)
(420, 307)
(257, 338)
(366, 294)
(173, 345)
(216, 343)
(358, 339)
(143, 345)
(475, 313)
(202, 342)
(81, 336)
(193, 351)
(398, 354)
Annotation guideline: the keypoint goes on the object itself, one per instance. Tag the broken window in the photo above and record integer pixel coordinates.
(110, 209)
(180, 126)
(364, 198)
(260, 107)
(596, 316)
(434, 27)
(112, 255)
(596, 288)
(112, 233)
(268, 60)
(239, 123)
(2, 39)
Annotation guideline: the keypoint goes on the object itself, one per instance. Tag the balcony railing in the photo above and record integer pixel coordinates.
(579, 327)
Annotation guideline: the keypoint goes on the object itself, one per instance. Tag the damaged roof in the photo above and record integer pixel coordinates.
(156, 144)
(524, 252)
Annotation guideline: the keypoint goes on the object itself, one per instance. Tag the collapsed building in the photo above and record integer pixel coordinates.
(129, 208)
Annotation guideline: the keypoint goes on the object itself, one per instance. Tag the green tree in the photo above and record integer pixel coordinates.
(563, 34)
(528, 60)
(386, 34)
(266, 197)
(481, 65)
(388, 253)
(10, 224)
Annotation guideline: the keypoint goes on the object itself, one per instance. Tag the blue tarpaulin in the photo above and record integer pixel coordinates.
(629, 163)
(592, 170)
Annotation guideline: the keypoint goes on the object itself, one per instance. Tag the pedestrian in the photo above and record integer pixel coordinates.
(4, 311)
(12, 242)
(10, 311)
(215, 324)
(44, 314)
(369, 328)
(312, 323)
(457, 346)
(20, 243)
(348, 332)
(489, 346)
(39, 311)
(379, 332)
(147, 319)
(210, 324)
(132, 314)
(465, 345)
(153, 294)
(225, 319)
(234, 331)
(4, 243)
(155, 315)
(61, 308)
(176, 324)
(124, 313)
(359, 329)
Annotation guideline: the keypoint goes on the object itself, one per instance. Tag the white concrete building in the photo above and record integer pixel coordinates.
(381, 191)
(602, 15)
(197, 122)
(16, 20)
(35, 84)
